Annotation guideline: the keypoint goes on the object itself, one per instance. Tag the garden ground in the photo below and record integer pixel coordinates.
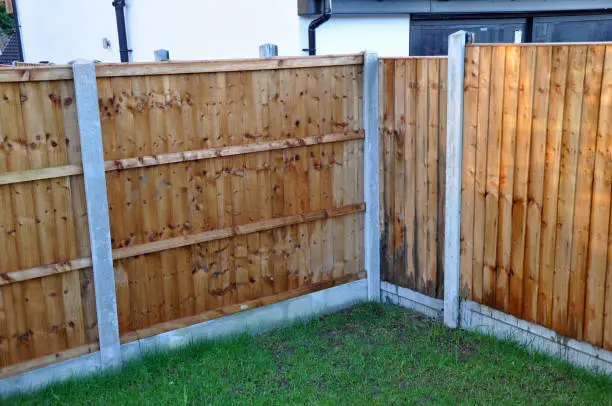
(370, 354)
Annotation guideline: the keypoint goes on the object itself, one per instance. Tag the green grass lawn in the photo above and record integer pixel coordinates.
(371, 354)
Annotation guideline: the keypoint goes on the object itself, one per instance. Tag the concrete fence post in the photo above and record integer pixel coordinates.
(268, 50)
(86, 92)
(371, 175)
(454, 153)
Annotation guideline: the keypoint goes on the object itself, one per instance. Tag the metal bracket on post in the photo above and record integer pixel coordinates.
(371, 175)
(86, 92)
(454, 155)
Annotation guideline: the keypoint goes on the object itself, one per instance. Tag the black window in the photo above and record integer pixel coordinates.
(430, 37)
(585, 28)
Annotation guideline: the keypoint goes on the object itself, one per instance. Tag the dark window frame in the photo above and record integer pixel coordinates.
(530, 17)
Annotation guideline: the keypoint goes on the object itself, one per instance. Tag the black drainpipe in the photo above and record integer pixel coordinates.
(314, 24)
(17, 30)
(124, 52)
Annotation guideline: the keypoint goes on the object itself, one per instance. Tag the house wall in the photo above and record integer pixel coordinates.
(387, 35)
(64, 30)
(196, 29)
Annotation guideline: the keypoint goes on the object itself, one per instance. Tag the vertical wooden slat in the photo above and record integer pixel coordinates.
(182, 134)
(506, 176)
(349, 175)
(314, 178)
(584, 184)
(338, 173)
(480, 176)
(535, 187)
(432, 177)
(551, 183)
(521, 176)
(234, 167)
(10, 160)
(598, 254)
(443, 78)
(420, 225)
(39, 248)
(356, 100)
(158, 137)
(289, 114)
(273, 187)
(567, 185)
(410, 235)
(389, 163)
(470, 127)
(301, 157)
(399, 139)
(325, 127)
(498, 66)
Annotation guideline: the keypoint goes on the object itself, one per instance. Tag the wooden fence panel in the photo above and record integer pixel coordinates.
(543, 255)
(42, 222)
(231, 185)
(413, 140)
(279, 145)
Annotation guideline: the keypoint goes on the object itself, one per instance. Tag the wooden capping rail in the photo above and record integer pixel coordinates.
(176, 157)
(235, 308)
(178, 242)
(45, 360)
(64, 72)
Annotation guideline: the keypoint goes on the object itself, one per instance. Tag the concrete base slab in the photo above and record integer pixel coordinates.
(410, 299)
(254, 321)
(477, 317)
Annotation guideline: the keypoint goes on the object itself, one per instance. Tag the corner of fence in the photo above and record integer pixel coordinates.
(454, 153)
(371, 175)
(90, 133)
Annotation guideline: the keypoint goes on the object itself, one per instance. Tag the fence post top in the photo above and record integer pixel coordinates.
(82, 61)
(468, 37)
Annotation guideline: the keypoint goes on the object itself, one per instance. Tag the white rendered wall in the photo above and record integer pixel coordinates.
(386, 35)
(63, 30)
(206, 29)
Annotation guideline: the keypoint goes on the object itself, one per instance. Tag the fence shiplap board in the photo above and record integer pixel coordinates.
(413, 138)
(551, 183)
(535, 187)
(584, 184)
(480, 175)
(470, 117)
(570, 145)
